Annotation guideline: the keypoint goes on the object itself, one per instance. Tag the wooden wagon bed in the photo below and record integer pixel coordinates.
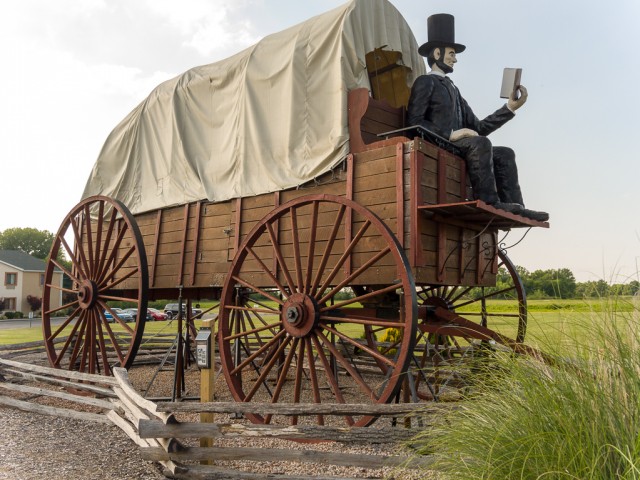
(448, 238)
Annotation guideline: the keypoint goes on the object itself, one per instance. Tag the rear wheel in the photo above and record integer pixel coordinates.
(463, 325)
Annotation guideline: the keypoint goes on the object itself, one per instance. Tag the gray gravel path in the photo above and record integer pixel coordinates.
(39, 447)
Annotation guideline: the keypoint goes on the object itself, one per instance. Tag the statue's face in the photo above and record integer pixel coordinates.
(449, 57)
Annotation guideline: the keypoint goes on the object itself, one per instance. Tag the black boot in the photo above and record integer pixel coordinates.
(535, 215)
(515, 208)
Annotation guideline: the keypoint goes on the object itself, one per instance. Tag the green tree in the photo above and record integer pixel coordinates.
(592, 289)
(552, 283)
(29, 240)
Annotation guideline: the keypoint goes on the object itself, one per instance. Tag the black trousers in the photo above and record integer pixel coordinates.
(492, 170)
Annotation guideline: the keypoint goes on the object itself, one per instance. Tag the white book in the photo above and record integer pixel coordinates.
(510, 81)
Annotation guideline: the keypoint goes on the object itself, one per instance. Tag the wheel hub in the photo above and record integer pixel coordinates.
(432, 303)
(87, 294)
(299, 315)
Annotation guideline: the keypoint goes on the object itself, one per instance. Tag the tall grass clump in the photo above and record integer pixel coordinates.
(576, 416)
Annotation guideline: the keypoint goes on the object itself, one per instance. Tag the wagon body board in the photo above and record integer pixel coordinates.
(192, 245)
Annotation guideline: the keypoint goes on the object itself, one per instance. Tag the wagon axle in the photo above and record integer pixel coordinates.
(300, 315)
(87, 294)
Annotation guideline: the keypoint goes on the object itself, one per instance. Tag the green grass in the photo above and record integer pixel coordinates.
(34, 334)
(578, 418)
(550, 322)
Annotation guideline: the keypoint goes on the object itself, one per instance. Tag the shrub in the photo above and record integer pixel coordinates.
(34, 303)
(577, 419)
(12, 315)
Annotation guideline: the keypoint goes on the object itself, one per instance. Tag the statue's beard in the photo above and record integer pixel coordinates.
(444, 67)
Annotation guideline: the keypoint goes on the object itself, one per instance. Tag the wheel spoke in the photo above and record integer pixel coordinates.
(283, 376)
(297, 388)
(65, 271)
(114, 341)
(91, 338)
(266, 270)
(254, 330)
(79, 247)
(314, 377)
(280, 259)
(100, 220)
(258, 290)
(343, 258)
(266, 369)
(74, 261)
(115, 316)
(296, 248)
(312, 247)
(358, 299)
(61, 289)
(89, 235)
(360, 320)
(118, 266)
(327, 250)
(370, 351)
(258, 352)
(112, 256)
(79, 341)
(101, 342)
(335, 388)
(355, 274)
(112, 285)
(78, 324)
(63, 307)
(64, 324)
(102, 263)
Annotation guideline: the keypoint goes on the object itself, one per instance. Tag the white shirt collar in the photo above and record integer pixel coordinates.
(436, 72)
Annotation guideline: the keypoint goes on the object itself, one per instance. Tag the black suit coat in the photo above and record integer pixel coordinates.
(440, 108)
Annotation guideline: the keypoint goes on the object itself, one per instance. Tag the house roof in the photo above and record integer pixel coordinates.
(22, 261)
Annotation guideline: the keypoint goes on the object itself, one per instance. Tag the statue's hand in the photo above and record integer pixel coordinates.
(462, 133)
(515, 103)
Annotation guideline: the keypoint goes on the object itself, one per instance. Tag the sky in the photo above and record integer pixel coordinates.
(73, 69)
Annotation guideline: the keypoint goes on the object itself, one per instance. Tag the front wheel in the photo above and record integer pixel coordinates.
(99, 250)
(292, 328)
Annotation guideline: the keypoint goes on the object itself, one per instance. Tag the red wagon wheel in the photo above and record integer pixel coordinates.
(107, 263)
(292, 331)
(462, 326)
(457, 327)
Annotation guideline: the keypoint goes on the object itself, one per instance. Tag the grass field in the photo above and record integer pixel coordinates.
(550, 322)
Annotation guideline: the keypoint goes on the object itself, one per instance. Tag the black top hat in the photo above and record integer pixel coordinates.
(441, 33)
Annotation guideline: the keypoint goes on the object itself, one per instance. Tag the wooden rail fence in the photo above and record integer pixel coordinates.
(155, 427)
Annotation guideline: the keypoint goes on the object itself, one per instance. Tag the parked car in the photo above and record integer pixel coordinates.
(171, 310)
(122, 315)
(134, 313)
(156, 314)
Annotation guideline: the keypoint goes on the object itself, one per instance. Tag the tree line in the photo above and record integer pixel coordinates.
(552, 283)
(561, 283)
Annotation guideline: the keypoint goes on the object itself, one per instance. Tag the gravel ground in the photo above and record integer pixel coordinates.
(38, 447)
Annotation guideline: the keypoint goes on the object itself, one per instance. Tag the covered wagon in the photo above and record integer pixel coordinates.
(349, 262)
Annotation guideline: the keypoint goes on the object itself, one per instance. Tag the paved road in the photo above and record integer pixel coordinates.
(26, 323)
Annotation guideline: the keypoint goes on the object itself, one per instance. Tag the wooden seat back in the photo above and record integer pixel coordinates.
(369, 117)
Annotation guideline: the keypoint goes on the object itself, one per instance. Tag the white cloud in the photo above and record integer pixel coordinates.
(207, 25)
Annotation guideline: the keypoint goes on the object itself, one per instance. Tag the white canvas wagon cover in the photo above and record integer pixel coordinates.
(268, 118)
